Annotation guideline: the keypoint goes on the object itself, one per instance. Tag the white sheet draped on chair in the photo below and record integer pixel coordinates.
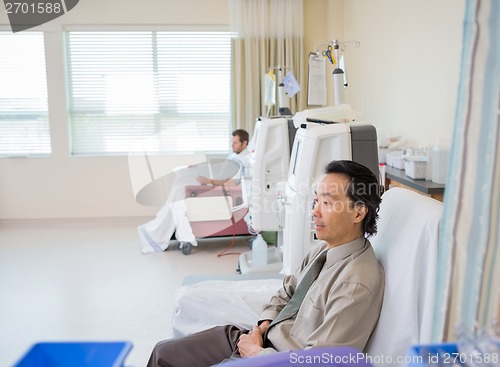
(406, 245)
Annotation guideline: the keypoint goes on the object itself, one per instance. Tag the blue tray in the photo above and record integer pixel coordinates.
(76, 354)
(433, 354)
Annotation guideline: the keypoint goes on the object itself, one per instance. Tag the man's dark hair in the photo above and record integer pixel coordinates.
(242, 134)
(363, 188)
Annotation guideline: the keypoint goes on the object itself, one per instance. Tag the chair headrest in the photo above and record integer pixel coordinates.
(406, 245)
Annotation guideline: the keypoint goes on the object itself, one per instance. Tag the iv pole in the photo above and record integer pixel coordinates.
(338, 77)
(283, 99)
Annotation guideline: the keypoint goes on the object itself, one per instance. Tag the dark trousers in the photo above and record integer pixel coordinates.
(202, 349)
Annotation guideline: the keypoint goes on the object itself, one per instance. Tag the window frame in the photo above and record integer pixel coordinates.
(145, 28)
(48, 143)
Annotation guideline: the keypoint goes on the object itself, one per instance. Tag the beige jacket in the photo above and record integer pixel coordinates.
(342, 306)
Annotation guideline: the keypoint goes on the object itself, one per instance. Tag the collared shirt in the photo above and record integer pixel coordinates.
(341, 307)
(243, 159)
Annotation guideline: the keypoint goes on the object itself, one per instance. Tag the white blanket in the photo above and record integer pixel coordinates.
(217, 302)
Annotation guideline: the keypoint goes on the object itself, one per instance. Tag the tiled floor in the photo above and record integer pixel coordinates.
(90, 282)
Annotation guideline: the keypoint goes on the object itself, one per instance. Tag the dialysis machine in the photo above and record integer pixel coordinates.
(315, 145)
(269, 166)
(269, 163)
(282, 200)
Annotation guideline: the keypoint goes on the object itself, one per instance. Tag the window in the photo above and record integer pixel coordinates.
(149, 91)
(24, 123)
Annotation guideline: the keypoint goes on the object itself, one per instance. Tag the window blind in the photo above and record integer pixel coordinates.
(24, 123)
(149, 91)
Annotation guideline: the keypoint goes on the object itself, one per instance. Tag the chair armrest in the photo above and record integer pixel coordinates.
(208, 190)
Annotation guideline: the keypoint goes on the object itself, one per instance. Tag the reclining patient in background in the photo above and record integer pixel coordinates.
(333, 299)
(171, 218)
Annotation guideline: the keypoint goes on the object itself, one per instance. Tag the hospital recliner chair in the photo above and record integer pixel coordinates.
(215, 211)
(407, 247)
(212, 211)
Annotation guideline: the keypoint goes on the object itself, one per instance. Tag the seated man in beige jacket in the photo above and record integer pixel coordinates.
(333, 299)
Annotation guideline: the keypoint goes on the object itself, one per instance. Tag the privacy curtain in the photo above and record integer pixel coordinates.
(267, 33)
(469, 261)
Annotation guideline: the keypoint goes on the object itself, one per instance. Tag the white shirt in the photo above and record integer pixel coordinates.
(243, 158)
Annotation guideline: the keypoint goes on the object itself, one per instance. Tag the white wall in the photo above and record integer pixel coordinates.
(323, 22)
(403, 78)
(79, 187)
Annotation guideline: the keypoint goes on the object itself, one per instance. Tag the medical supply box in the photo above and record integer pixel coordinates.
(76, 354)
(440, 160)
(395, 159)
(416, 167)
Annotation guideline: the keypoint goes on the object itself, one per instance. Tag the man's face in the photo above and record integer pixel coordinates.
(337, 220)
(237, 145)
